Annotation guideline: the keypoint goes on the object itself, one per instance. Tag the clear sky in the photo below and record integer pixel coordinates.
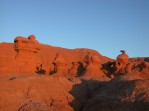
(104, 25)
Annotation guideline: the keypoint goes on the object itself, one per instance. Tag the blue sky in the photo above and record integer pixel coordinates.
(103, 25)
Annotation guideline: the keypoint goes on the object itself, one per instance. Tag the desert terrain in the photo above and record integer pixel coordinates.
(39, 77)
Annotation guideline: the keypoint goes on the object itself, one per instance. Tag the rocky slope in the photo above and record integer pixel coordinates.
(124, 93)
(49, 93)
(44, 93)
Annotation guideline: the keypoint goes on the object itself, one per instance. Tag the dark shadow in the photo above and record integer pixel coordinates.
(95, 95)
(146, 59)
(80, 69)
(51, 72)
(54, 70)
(12, 78)
(40, 70)
(83, 91)
(138, 67)
(109, 68)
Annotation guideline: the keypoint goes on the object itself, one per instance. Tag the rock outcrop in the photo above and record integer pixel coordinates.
(60, 65)
(121, 62)
(28, 56)
(93, 67)
(77, 69)
(26, 49)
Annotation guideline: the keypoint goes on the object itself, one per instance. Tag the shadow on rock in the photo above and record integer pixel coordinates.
(82, 91)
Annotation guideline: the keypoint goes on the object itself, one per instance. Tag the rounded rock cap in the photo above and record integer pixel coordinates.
(20, 38)
(31, 37)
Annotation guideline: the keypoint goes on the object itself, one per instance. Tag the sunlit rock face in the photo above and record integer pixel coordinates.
(26, 49)
(93, 67)
(60, 65)
(27, 56)
(41, 77)
(74, 70)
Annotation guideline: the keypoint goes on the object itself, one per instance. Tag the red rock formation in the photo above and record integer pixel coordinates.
(145, 66)
(129, 67)
(44, 93)
(60, 65)
(77, 69)
(74, 70)
(87, 59)
(121, 62)
(93, 67)
(138, 66)
(144, 70)
(24, 62)
(125, 92)
(32, 93)
(26, 50)
(123, 57)
(44, 56)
